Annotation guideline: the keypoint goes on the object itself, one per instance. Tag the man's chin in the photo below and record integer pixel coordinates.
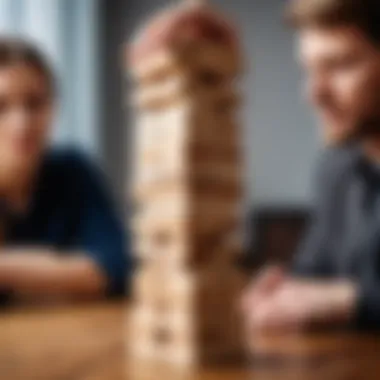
(334, 137)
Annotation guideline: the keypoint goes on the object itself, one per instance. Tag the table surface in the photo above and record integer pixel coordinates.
(87, 342)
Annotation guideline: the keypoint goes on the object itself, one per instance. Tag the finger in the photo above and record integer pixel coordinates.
(261, 316)
(273, 321)
(266, 282)
(269, 279)
(276, 315)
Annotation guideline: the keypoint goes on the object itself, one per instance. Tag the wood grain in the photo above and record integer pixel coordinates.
(87, 342)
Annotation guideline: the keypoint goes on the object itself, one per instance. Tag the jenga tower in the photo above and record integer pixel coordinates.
(187, 187)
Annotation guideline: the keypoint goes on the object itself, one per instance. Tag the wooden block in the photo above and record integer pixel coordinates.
(173, 291)
(171, 250)
(196, 320)
(140, 330)
(224, 153)
(197, 187)
(180, 333)
(142, 319)
(159, 95)
(200, 292)
(154, 328)
(203, 54)
(161, 62)
(197, 223)
(177, 90)
(210, 55)
(180, 355)
(162, 330)
(188, 120)
(186, 158)
(169, 147)
(206, 340)
(191, 180)
(145, 285)
(193, 243)
(178, 206)
(144, 192)
(179, 160)
(165, 228)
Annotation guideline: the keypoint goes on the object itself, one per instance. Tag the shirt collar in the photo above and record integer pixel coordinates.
(365, 168)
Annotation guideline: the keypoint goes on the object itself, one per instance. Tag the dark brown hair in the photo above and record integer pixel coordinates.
(362, 14)
(16, 50)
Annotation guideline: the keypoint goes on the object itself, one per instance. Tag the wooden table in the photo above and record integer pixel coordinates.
(87, 343)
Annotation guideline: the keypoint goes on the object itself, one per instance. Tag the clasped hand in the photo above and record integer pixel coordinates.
(276, 301)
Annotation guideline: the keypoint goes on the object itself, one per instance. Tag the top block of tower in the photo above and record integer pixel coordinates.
(184, 36)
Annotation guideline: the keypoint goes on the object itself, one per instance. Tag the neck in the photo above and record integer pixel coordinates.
(16, 186)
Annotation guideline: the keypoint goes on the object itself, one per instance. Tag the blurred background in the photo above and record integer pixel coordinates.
(84, 40)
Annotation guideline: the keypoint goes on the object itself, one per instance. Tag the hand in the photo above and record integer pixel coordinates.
(297, 304)
(262, 287)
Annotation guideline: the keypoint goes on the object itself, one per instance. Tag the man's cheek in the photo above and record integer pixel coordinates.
(366, 95)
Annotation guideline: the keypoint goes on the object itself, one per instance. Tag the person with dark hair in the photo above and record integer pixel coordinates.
(335, 276)
(60, 233)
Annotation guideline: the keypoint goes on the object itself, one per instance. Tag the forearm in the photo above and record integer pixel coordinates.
(42, 272)
(343, 301)
(355, 303)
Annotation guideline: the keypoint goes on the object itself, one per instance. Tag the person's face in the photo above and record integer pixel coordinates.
(25, 117)
(343, 81)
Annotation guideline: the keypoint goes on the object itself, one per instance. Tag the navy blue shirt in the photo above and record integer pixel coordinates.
(71, 211)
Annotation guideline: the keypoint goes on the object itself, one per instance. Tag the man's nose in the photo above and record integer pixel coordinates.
(318, 91)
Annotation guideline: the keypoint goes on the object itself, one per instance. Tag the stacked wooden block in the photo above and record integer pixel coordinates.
(187, 188)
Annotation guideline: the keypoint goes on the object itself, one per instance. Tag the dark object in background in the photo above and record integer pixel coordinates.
(276, 233)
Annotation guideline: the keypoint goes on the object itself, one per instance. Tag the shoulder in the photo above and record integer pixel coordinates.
(68, 161)
(332, 172)
(68, 167)
(336, 162)
(70, 158)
